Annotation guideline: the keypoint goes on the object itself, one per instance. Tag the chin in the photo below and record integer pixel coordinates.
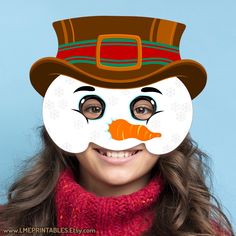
(116, 177)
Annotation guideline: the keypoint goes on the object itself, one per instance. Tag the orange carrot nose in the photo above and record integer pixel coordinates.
(121, 129)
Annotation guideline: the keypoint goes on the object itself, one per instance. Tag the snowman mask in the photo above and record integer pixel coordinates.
(158, 115)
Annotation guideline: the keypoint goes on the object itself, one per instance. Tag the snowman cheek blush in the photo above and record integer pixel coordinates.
(158, 115)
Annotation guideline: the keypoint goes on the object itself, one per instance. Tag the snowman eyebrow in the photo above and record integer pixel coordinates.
(85, 88)
(150, 89)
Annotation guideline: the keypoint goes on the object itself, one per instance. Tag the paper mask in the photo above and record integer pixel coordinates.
(76, 113)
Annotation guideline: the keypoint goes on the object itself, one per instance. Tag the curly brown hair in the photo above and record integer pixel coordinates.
(185, 208)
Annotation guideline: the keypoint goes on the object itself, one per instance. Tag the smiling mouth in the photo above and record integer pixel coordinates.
(117, 154)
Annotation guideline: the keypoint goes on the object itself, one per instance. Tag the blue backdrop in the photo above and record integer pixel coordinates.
(210, 38)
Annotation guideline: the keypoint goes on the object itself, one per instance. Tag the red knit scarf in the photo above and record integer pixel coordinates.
(124, 215)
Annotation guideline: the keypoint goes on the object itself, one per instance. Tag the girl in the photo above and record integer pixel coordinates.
(105, 167)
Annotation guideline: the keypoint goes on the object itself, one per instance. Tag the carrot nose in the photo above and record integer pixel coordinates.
(122, 129)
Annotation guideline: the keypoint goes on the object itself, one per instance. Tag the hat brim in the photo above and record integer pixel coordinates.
(190, 72)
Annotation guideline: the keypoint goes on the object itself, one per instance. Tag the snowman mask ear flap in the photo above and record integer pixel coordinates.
(158, 115)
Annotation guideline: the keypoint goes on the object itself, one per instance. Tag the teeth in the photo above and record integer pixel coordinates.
(114, 154)
(121, 154)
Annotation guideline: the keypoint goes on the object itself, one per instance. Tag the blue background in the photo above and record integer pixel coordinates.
(210, 38)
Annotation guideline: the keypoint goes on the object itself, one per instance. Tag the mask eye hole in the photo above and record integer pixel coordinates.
(142, 107)
(92, 107)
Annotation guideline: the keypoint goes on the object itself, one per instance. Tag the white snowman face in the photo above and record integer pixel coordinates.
(158, 115)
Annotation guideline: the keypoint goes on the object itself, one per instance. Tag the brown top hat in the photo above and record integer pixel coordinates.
(118, 52)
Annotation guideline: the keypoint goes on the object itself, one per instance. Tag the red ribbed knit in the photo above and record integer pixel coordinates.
(124, 215)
